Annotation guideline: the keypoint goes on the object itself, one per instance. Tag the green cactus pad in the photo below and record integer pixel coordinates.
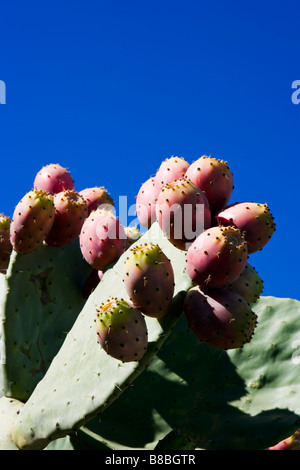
(9, 410)
(82, 439)
(240, 399)
(40, 299)
(82, 379)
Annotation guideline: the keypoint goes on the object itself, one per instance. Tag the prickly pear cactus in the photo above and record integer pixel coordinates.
(82, 379)
(41, 298)
(61, 388)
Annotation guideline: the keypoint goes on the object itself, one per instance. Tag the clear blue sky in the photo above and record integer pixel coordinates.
(109, 89)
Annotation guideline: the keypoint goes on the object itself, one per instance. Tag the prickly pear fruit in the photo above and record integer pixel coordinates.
(149, 279)
(70, 213)
(132, 234)
(214, 178)
(254, 219)
(171, 169)
(32, 220)
(121, 330)
(182, 212)
(219, 317)
(95, 197)
(217, 257)
(248, 285)
(290, 443)
(102, 239)
(5, 244)
(53, 178)
(146, 202)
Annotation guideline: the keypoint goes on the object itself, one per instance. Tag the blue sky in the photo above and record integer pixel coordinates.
(110, 89)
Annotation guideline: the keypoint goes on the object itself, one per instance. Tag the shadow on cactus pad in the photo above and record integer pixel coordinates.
(239, 399)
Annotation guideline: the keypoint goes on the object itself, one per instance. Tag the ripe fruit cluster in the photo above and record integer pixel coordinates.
(54, 213)
(190, 204)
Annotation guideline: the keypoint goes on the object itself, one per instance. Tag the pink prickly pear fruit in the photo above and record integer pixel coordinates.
(248, 285)
(219, 317)
(149, 279)
(102, 239)
(217, 257)
(214, 178)
(291, 443)
(254, 219)
(96, 197)
(53, 178)
(121, 330)
(182, 212)
(146, 202)
(171, 169)
(5, 244)
(32, 220)
(70, 213)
